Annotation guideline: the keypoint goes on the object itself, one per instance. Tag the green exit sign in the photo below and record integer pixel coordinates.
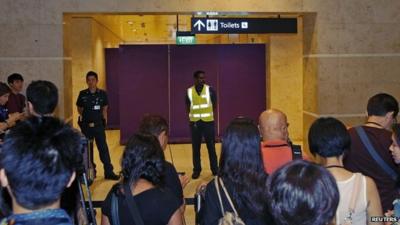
(185, 40)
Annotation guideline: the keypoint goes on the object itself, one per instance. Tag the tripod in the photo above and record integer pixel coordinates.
(85, 179)
(89, 214)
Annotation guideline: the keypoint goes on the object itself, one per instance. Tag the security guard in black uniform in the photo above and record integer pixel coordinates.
(92, 106)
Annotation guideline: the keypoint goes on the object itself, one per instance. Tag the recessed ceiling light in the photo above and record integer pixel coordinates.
(130, 22)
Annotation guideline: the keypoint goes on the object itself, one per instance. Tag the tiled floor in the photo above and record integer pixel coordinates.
(182, 159)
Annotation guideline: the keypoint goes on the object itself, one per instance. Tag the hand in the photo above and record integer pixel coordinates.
(13, 118)
(23, 115)
(201, 186)
(389, 213)
(184, 180)
(396, 155)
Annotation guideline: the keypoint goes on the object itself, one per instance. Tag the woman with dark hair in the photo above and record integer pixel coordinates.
(395, 146)
(242, 173)
(302, 193)
(329, 139)
(395, 150)
(142, 165)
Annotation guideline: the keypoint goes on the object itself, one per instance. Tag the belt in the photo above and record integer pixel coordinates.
(92, 124)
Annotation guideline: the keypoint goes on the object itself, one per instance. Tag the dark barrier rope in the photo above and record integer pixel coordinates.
(98, 204)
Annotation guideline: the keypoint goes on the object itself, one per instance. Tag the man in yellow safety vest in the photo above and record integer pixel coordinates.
(201, 101)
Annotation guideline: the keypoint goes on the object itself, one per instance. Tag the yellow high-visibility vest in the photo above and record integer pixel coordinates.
(201, 107)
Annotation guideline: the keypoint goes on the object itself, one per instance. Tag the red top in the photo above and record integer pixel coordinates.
(275, 154)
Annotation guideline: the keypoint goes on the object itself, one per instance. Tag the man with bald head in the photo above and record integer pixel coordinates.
(276, 147)
(273, 125)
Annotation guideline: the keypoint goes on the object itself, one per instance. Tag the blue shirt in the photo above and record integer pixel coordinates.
(41, 217)
(3, 113)
(3, 118)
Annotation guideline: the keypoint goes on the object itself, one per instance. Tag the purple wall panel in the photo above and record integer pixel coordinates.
(184, 61)
(112, 83)
(140, 74)
(242, 90)
(143, 85)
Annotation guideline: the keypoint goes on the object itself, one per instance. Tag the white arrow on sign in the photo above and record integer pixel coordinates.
(199, 24)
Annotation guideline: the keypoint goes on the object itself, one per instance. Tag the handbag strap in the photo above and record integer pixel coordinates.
(365, 140)
(219, 194)
(114, 210)
(217, 180)
(134, 211)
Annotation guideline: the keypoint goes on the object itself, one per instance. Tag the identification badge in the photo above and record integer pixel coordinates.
(96, 107)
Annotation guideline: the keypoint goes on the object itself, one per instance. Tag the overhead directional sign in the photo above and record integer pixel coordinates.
(199, 25)
(243, 25)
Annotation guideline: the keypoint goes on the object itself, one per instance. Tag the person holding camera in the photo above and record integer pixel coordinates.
(92, 106)
(6, 120)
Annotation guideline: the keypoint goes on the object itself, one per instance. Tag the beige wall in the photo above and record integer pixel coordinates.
(351, 52)
(286, 78)
(82, 59)
(351, 47)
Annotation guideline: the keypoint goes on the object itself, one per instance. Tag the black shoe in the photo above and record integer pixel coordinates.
(195, 175)
(111, 176)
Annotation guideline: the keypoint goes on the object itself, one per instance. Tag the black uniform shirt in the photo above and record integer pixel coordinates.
(92, 104)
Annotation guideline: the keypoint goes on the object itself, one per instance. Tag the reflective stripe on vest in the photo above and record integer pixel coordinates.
(200, 105)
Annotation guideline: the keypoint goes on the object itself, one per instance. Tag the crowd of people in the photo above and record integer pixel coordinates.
(351, 176)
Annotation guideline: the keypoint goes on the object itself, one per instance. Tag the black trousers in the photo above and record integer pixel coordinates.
(99, 135)
(199, 130)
